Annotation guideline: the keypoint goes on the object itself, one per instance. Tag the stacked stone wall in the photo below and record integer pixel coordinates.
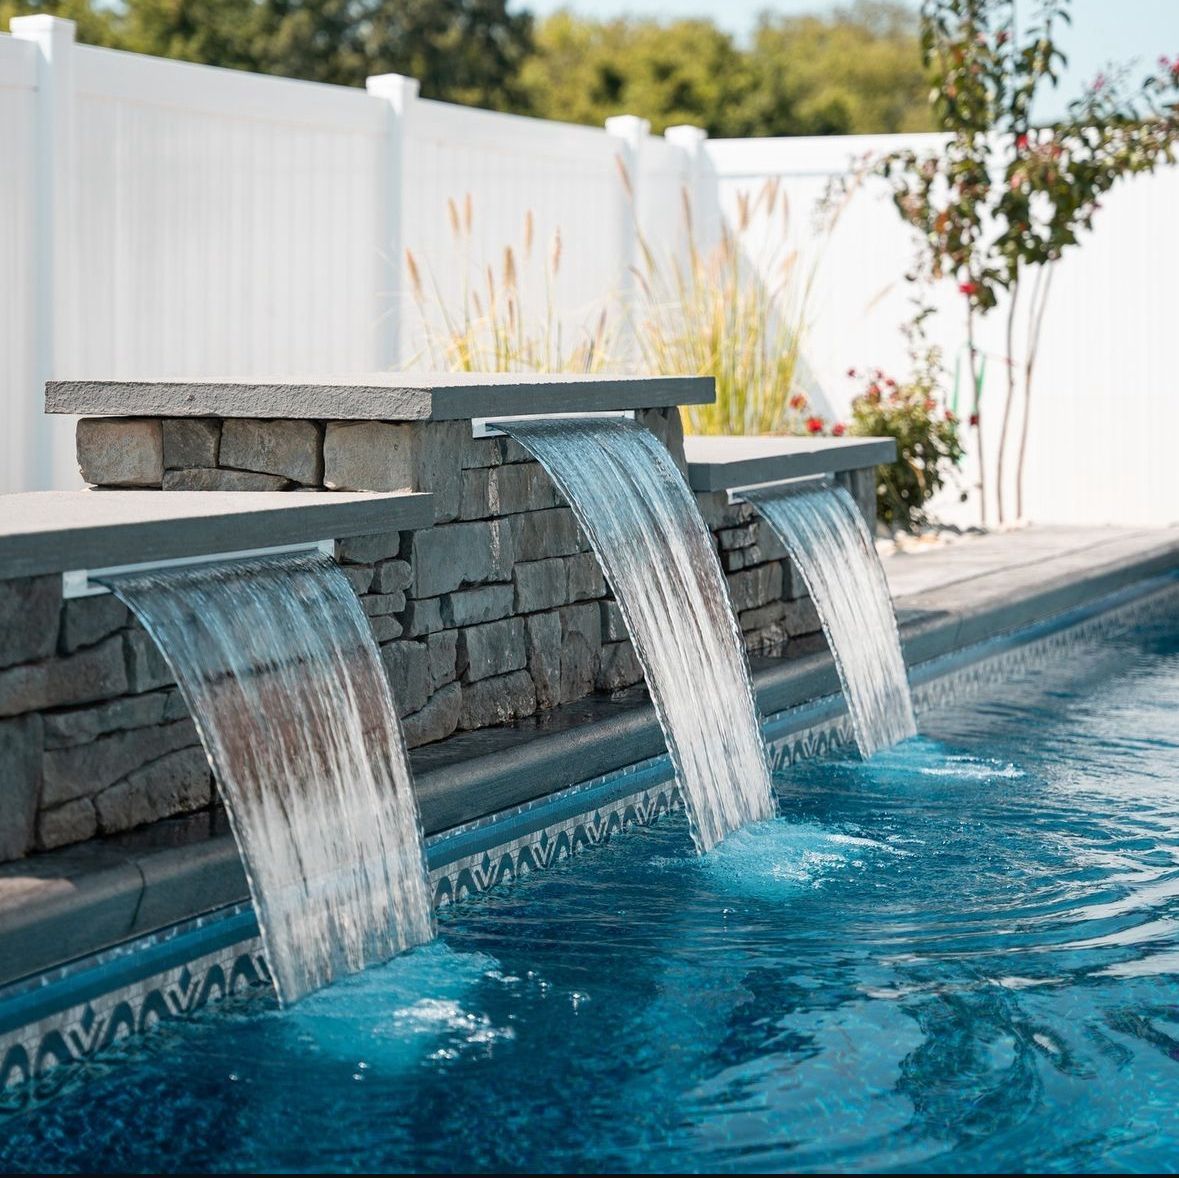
(496, 612)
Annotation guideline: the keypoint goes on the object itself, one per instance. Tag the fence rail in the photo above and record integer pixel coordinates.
(171, 219)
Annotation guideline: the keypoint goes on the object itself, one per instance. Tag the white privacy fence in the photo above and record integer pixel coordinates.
(166, 219)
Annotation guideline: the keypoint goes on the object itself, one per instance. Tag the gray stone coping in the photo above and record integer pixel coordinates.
(378, 396)
(725, 463)
(79, 900)
(56, 531)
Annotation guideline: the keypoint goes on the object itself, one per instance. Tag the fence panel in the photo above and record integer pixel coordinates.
(506, 167)
(18, 296)
(1098, 447)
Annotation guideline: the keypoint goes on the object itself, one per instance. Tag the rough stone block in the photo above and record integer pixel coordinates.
(385, 628)
(522, 486)
(20, 784)
(801, 618)
(408, 666)
(387, 456)
(392, 576)
(85, 769)
(368, 549)
(470, 607)
(668, 426)
(742, 537)
(442, 650)
(30, 612)
(763, 617)
(543, 644)
(146, 668)
(474, 503)
(619, 667)
(360, 577)
(292, 449)
(423, 617)
(75, 822)
(121, 451)
(586, 581)
(497, 701)
(613, 624)
(480, 453)
(448, 557)
(493, 648)
(87, 620)
(719, 513)
(437, 720)
(203, 479)
(175, 784)
(191, 441)
(581, 649)
(174, 707)
(377, 604)
(84, 724)
(757, 586)
(540, 584)
(543, 534)
(98, 672)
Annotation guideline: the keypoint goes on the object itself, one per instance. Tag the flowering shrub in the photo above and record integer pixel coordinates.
(928, 445)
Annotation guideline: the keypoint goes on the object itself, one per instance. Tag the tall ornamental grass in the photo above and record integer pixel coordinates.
(493, 327)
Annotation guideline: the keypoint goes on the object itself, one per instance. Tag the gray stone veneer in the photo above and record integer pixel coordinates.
(497, 611)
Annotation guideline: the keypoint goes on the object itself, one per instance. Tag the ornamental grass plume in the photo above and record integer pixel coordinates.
(736, 312)
(491, 325)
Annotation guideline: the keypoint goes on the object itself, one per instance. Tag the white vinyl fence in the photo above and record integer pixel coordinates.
(166, 219)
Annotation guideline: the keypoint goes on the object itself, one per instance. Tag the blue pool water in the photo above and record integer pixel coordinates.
(962, 955)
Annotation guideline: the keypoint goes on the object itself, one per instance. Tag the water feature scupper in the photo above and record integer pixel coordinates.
(658, 556)
(832, 548)
(279, 668)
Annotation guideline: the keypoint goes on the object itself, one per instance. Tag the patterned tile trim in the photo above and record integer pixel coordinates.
(529, 838)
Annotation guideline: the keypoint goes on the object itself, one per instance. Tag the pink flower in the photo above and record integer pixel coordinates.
(838, 429)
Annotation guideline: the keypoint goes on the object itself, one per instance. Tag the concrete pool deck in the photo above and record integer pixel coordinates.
(64, 904)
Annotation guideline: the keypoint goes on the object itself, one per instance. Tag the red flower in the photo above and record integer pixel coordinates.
(892, 384)
(838, 429)
(930, 404)
(967, 288)
(1001, 37)
(1021, 141)
(950, 416)
(852, 373)
(974, 419)
(798, 401)
(814, 425)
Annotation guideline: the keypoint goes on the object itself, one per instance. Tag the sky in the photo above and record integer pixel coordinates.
(1103, 31)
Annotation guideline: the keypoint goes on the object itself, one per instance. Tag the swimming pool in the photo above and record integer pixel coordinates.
(962, 955)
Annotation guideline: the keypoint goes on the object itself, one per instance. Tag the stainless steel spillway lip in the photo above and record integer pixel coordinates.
(728, 463)
(69, 532)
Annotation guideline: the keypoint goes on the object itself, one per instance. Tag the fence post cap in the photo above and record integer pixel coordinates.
(685, 135)
(396, 87)
(41, 24)
(629, 127)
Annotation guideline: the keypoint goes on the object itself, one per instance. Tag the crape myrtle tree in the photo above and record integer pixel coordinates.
(998, 205)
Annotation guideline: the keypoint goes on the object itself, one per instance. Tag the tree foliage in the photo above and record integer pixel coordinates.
(857, 69)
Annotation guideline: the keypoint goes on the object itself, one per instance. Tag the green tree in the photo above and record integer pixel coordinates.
(584, 71)
(856, 70)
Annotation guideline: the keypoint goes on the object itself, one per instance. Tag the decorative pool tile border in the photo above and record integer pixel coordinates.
(71, 1014)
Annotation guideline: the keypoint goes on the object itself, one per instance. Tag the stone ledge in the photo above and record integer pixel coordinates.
(55, 531)
(381, 396)
(724, 463)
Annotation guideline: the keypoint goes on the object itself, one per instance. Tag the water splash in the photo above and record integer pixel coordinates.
(829, 543)
(658, 555)
(278, 666)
